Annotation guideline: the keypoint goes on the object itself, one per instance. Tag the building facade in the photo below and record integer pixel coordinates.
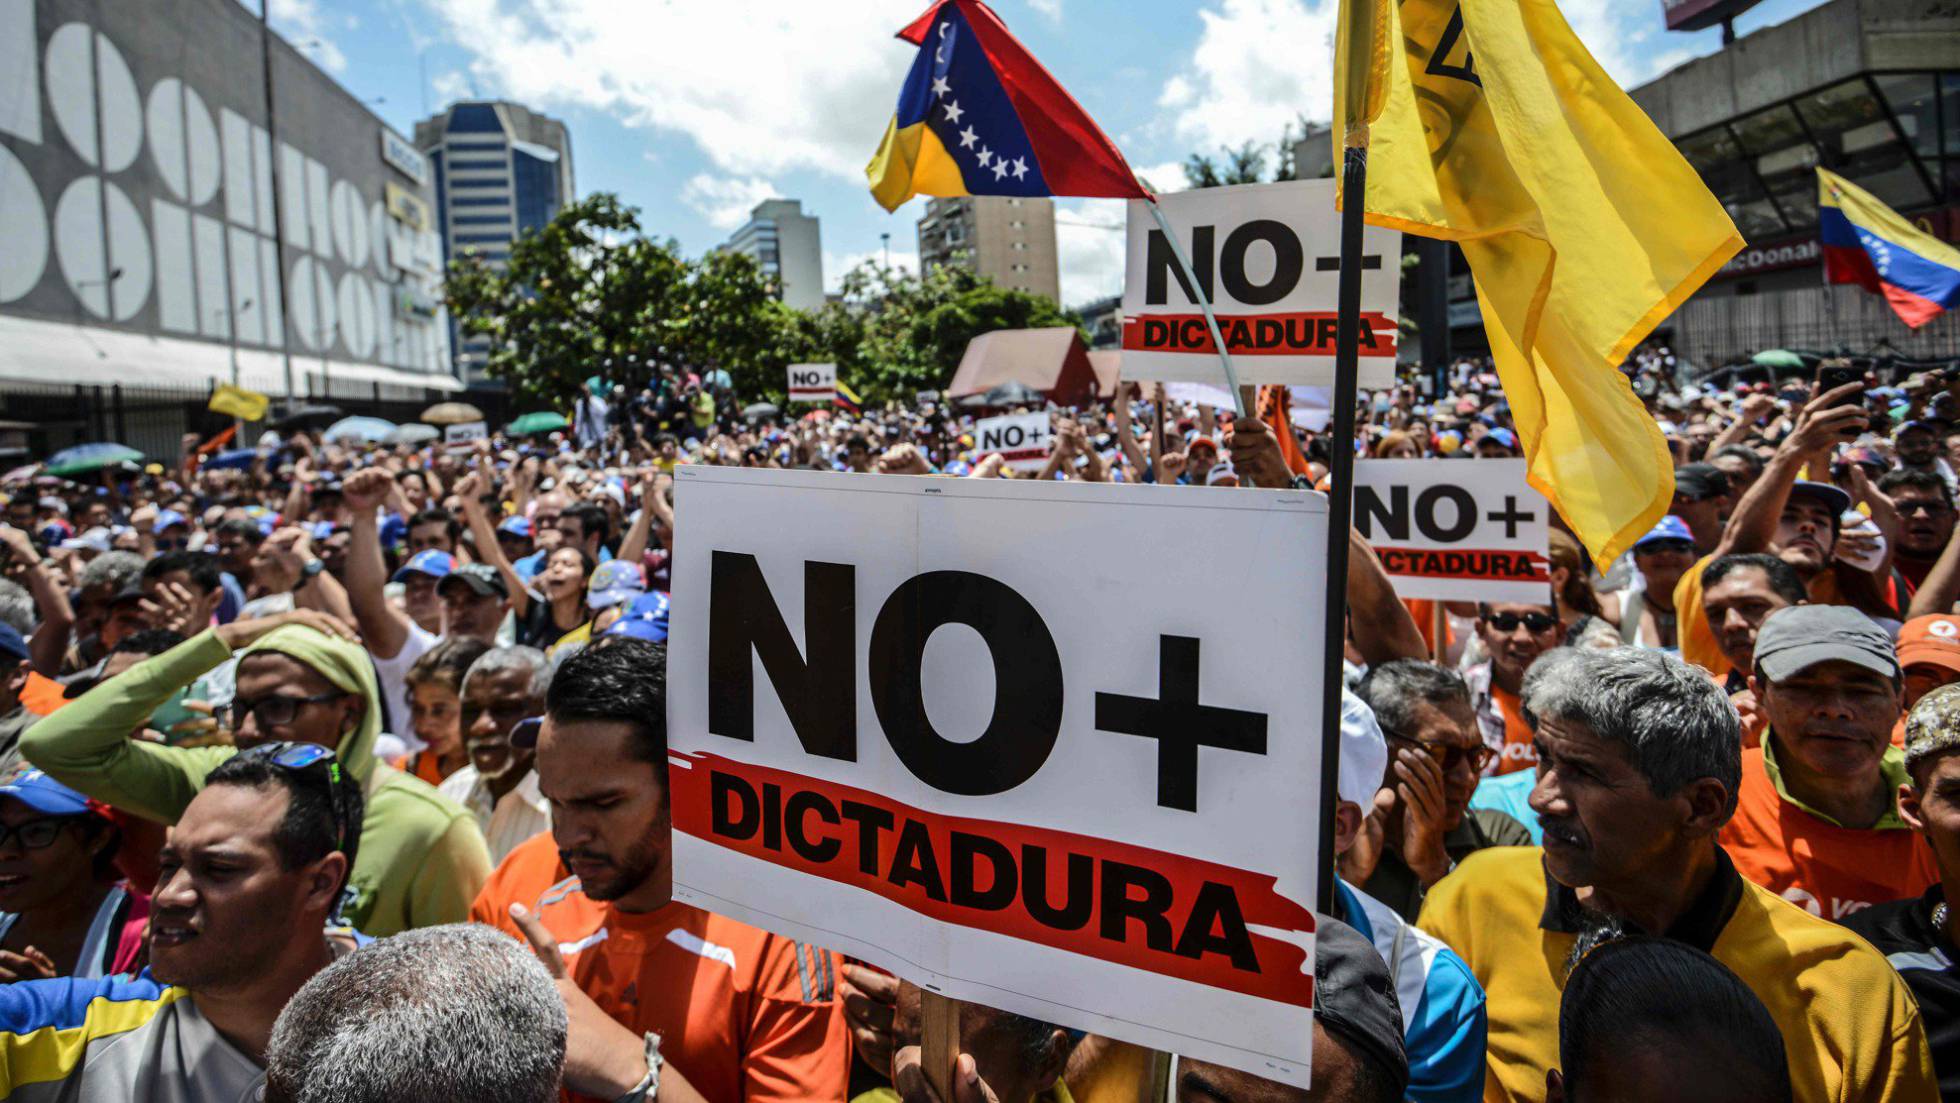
(186, 200)
(788, 246)
(501, 171)
(1008, 239)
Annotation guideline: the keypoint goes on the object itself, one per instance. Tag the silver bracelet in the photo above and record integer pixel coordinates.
(649, 1086)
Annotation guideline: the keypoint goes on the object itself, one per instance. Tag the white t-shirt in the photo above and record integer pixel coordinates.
(393, 674)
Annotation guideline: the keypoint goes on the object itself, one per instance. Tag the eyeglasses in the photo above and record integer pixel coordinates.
(1931, 509)
(271, 711)
(1508, 622)
(309, 759)
(36, 834)
(1448, 758)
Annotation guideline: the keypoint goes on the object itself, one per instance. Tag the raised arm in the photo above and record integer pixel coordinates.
(383, 627)
(1821, 425)
(633, 548)
(1379, 625)
(470, 489)
(50, 641)
(1126, 437)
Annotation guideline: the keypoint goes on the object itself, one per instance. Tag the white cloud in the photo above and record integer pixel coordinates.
(1090, 240)
(1050, 8)
(1258, 65)
(726, 201)
(451, 85)
(302, 23)
(763, 86)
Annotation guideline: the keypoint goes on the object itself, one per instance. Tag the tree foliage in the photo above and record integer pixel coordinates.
(1246, 164)
(590, 294)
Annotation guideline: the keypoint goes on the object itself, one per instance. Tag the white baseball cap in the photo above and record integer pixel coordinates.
(1364, 753)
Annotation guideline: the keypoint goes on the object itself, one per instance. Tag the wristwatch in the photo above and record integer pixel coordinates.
(647, 1088)
(310, 572)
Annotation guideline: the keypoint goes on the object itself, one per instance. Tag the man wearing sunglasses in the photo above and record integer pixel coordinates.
(251, 876)
(1436, 756)
(300, 678)
(1513, 635)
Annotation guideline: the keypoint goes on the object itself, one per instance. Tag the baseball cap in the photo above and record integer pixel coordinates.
(1354, 997)
(166, 518)
(1933, 725)
(515, 526)
(44, 794)
(614, 582)
(96, 538)
(1669, 528)
(11, 642)
(645, 619)
(1206, 441)
(1932, 639)
(434, 563)
(1220, 472)
(1364, 753)
(1837, 500)
(1799, 637)
(1700, 481)
(1504, 437)
(482, 579)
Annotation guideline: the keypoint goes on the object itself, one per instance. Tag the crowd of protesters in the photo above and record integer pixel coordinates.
(339, 774)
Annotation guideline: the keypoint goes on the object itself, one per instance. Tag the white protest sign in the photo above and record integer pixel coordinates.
(904, 725)
(464, 433)
(1455, 530)
(1268, 258)
(1022, 440)
(812, 382)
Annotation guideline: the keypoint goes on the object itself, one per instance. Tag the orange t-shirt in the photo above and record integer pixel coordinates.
(1832, 871)
(421, 764)
(745, 1015)
(1519, 752)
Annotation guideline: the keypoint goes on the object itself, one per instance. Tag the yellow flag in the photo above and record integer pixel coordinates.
(238, 402)
(1583, 226)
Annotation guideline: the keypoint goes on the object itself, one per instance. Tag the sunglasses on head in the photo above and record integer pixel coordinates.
(309, 760)
(1508, 622)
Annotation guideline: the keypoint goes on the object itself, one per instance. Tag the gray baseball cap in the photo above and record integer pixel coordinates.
(1801, 636)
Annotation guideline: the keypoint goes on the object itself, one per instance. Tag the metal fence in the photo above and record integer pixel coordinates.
(1718, 329)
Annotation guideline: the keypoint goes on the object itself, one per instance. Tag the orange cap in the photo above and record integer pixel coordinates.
(1933, 639)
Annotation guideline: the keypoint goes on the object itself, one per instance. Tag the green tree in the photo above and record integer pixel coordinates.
(1247, 163)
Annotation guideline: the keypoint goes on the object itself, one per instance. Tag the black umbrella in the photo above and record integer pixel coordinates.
(759, 410)
(300, 417)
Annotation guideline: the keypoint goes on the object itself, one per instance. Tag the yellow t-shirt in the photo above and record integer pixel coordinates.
(1852, 1028)
(1698, 644)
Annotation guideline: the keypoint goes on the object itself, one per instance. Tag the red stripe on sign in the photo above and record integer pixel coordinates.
(1472, 564)
(1146, 909)
(1307, 334)
(819, 392)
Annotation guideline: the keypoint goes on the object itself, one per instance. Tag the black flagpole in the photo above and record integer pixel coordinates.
(1340, 501)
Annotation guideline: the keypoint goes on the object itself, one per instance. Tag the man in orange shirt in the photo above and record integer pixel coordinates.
(1513, 635)
(663, 998)
(1817, 817)
(1929, 652)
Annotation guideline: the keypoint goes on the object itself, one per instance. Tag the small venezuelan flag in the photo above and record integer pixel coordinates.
(979, 116)
(847, 398)
(1868, 243)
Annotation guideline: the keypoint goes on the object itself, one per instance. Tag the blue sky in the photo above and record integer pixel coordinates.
(693, 110)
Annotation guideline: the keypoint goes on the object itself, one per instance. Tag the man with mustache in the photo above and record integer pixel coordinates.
(1817, 819)
(1925, 504)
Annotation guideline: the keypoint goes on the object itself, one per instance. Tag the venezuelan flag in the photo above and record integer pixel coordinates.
(848, 399)
(979, 116)
(1867, 243)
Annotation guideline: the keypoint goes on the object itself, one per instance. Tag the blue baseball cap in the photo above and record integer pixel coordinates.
(645, 620)
(1670, 528)
(614, 582)
(44, 794)
(515, 526)
(167, 518)
(11, 642)
(1502, 436)
(435, 564)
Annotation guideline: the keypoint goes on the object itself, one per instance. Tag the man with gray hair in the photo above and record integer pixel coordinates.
(451, 1014)
(1639, 763)
(502, 689)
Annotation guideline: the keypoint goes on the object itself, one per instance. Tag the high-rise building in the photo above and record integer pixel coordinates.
(788, 246)
(501, 171)
(1009, 239)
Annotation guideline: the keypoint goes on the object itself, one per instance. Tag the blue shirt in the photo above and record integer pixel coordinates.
(1510, 794)
(1444, 1021)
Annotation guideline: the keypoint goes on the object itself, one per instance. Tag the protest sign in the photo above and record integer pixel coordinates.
(1468, 530)
(464, 433)
(813, 382)
(1268, 258)
(1023, 440)
(903, 725)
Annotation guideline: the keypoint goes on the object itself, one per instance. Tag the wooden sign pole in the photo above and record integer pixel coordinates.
(939, 1021)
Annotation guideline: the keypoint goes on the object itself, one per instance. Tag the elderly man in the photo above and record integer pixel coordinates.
(1639, 761)
(504, 688)
(1513, 635)
(1919, 935)
(1817, 816)
(1423, 809)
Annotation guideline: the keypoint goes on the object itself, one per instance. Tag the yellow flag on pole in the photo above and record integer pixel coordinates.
(1583, 226)
(238, 402)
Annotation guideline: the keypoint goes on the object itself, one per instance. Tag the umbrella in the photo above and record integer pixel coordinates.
(299, 417)
(541, 421)
(1778, 358)
(84, 459)
(369, 429)
(21, 474)
(451, 413)
(413, 433)
(237, 459)
(758, 411)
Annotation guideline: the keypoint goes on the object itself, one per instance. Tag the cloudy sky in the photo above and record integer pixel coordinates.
(694, 110)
